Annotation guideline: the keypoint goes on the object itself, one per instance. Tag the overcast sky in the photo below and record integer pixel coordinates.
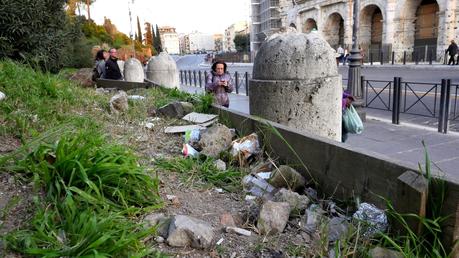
(208, 16)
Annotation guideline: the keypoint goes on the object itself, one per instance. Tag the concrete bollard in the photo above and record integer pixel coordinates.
(133, 71)
(296, 83)
(163, 71)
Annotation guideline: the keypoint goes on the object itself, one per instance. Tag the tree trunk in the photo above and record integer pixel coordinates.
(88, 3)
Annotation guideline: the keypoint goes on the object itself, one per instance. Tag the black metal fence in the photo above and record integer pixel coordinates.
(435, 100)
(198, 79)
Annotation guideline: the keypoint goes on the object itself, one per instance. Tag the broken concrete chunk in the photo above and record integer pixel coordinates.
(297, 202)
(199, 118)
(214, 140)
(273, 217)
(287, 177)
(161, 221)
(119, 103)
(187, 231)
(379, 252)
(175, 109)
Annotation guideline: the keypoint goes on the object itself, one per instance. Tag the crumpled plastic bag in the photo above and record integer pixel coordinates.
(374, 218)
(246, 146)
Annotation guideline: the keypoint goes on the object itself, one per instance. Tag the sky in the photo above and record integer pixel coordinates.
(207, 16)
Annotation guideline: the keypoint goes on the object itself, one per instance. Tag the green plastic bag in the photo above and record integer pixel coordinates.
(352, 121)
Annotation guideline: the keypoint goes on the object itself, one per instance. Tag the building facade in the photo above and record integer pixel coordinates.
(218, 39)
(414, 28)
(241, 27)
(169, 40)
(201, 42)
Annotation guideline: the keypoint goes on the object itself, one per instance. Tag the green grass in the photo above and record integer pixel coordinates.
(203, 171)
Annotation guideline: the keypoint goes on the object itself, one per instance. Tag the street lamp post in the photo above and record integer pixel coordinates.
(354, 86)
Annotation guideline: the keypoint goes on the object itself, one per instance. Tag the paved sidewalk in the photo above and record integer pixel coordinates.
(400, 142)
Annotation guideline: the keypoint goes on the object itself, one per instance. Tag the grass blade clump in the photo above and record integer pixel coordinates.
(204, 171)
(64, 230)
(97, 173)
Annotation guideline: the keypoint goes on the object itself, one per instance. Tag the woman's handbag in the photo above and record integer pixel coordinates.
(352, 121)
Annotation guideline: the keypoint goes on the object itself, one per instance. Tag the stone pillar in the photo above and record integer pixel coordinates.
(121, 66)
(296, 83)
(133, 71)
(162, 70)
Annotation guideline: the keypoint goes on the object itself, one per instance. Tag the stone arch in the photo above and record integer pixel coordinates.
(333, 31)
(419, 27)
(309, 25)
(371, 28)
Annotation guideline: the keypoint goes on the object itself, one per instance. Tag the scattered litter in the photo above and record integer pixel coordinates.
(159, 239)
(375, 218)
(239, 231)
(219, 242)
(199, 118)
(170, 197)
(149, 125)
(192, 136)
(245, 147)
(264, 175)
(257, 186)
(189, 151)
(218, 190)
(250, 197)
(220, 165)
(136, 97)
(183, 128)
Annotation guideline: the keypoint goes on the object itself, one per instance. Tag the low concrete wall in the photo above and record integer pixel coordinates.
(345, 172)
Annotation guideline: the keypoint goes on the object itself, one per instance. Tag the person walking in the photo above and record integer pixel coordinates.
(112, 70)
(346, 103)
(340, 52)
(219, 83)
(452, 50)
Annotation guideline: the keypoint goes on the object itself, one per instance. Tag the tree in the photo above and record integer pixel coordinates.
(242, 42)
(110, 27)
(139, 31)
(157, 41)
(148, 34)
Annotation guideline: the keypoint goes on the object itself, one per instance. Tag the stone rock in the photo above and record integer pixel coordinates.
(133, 71)
(313, 216)
(296, 83)
(220, 164)
(337, 228)
(159, 239)
(227, 220)
(374, 219)
(159, 220)
(119, 103)
(252, 210)
(379, 252)
(187, 231)
(162, 70)
(83, 77)
(176, 109)
(273, 217)
(297, 202)
(2, 96)
(287, 177)
(215, 140)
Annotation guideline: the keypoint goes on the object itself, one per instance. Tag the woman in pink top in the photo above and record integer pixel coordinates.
(219, 83)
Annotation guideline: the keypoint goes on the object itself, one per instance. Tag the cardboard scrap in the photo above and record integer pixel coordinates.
(198, 118)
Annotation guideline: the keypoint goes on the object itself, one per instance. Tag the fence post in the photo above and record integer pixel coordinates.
(381, 54)
(396, 100)
(447, 100)
(200, 79)
(195, 80)
(441, 114)
(189, 78)
(246, 83)
(430, 56)
(364, 93)
(393, 57)
(371, 58)
(181, 79)
(404, 57)
(236, 77)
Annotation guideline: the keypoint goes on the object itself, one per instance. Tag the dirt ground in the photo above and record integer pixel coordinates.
(200, 202)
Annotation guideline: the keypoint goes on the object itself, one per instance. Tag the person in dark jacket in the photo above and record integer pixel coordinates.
(112, 70)
(452, 50)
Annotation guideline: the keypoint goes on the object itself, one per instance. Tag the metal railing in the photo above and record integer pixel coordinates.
(198, 79)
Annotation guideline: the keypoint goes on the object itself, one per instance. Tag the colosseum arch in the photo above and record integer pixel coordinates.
(333, 31)
(309, 25)
(371, 29)
(420, 27)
